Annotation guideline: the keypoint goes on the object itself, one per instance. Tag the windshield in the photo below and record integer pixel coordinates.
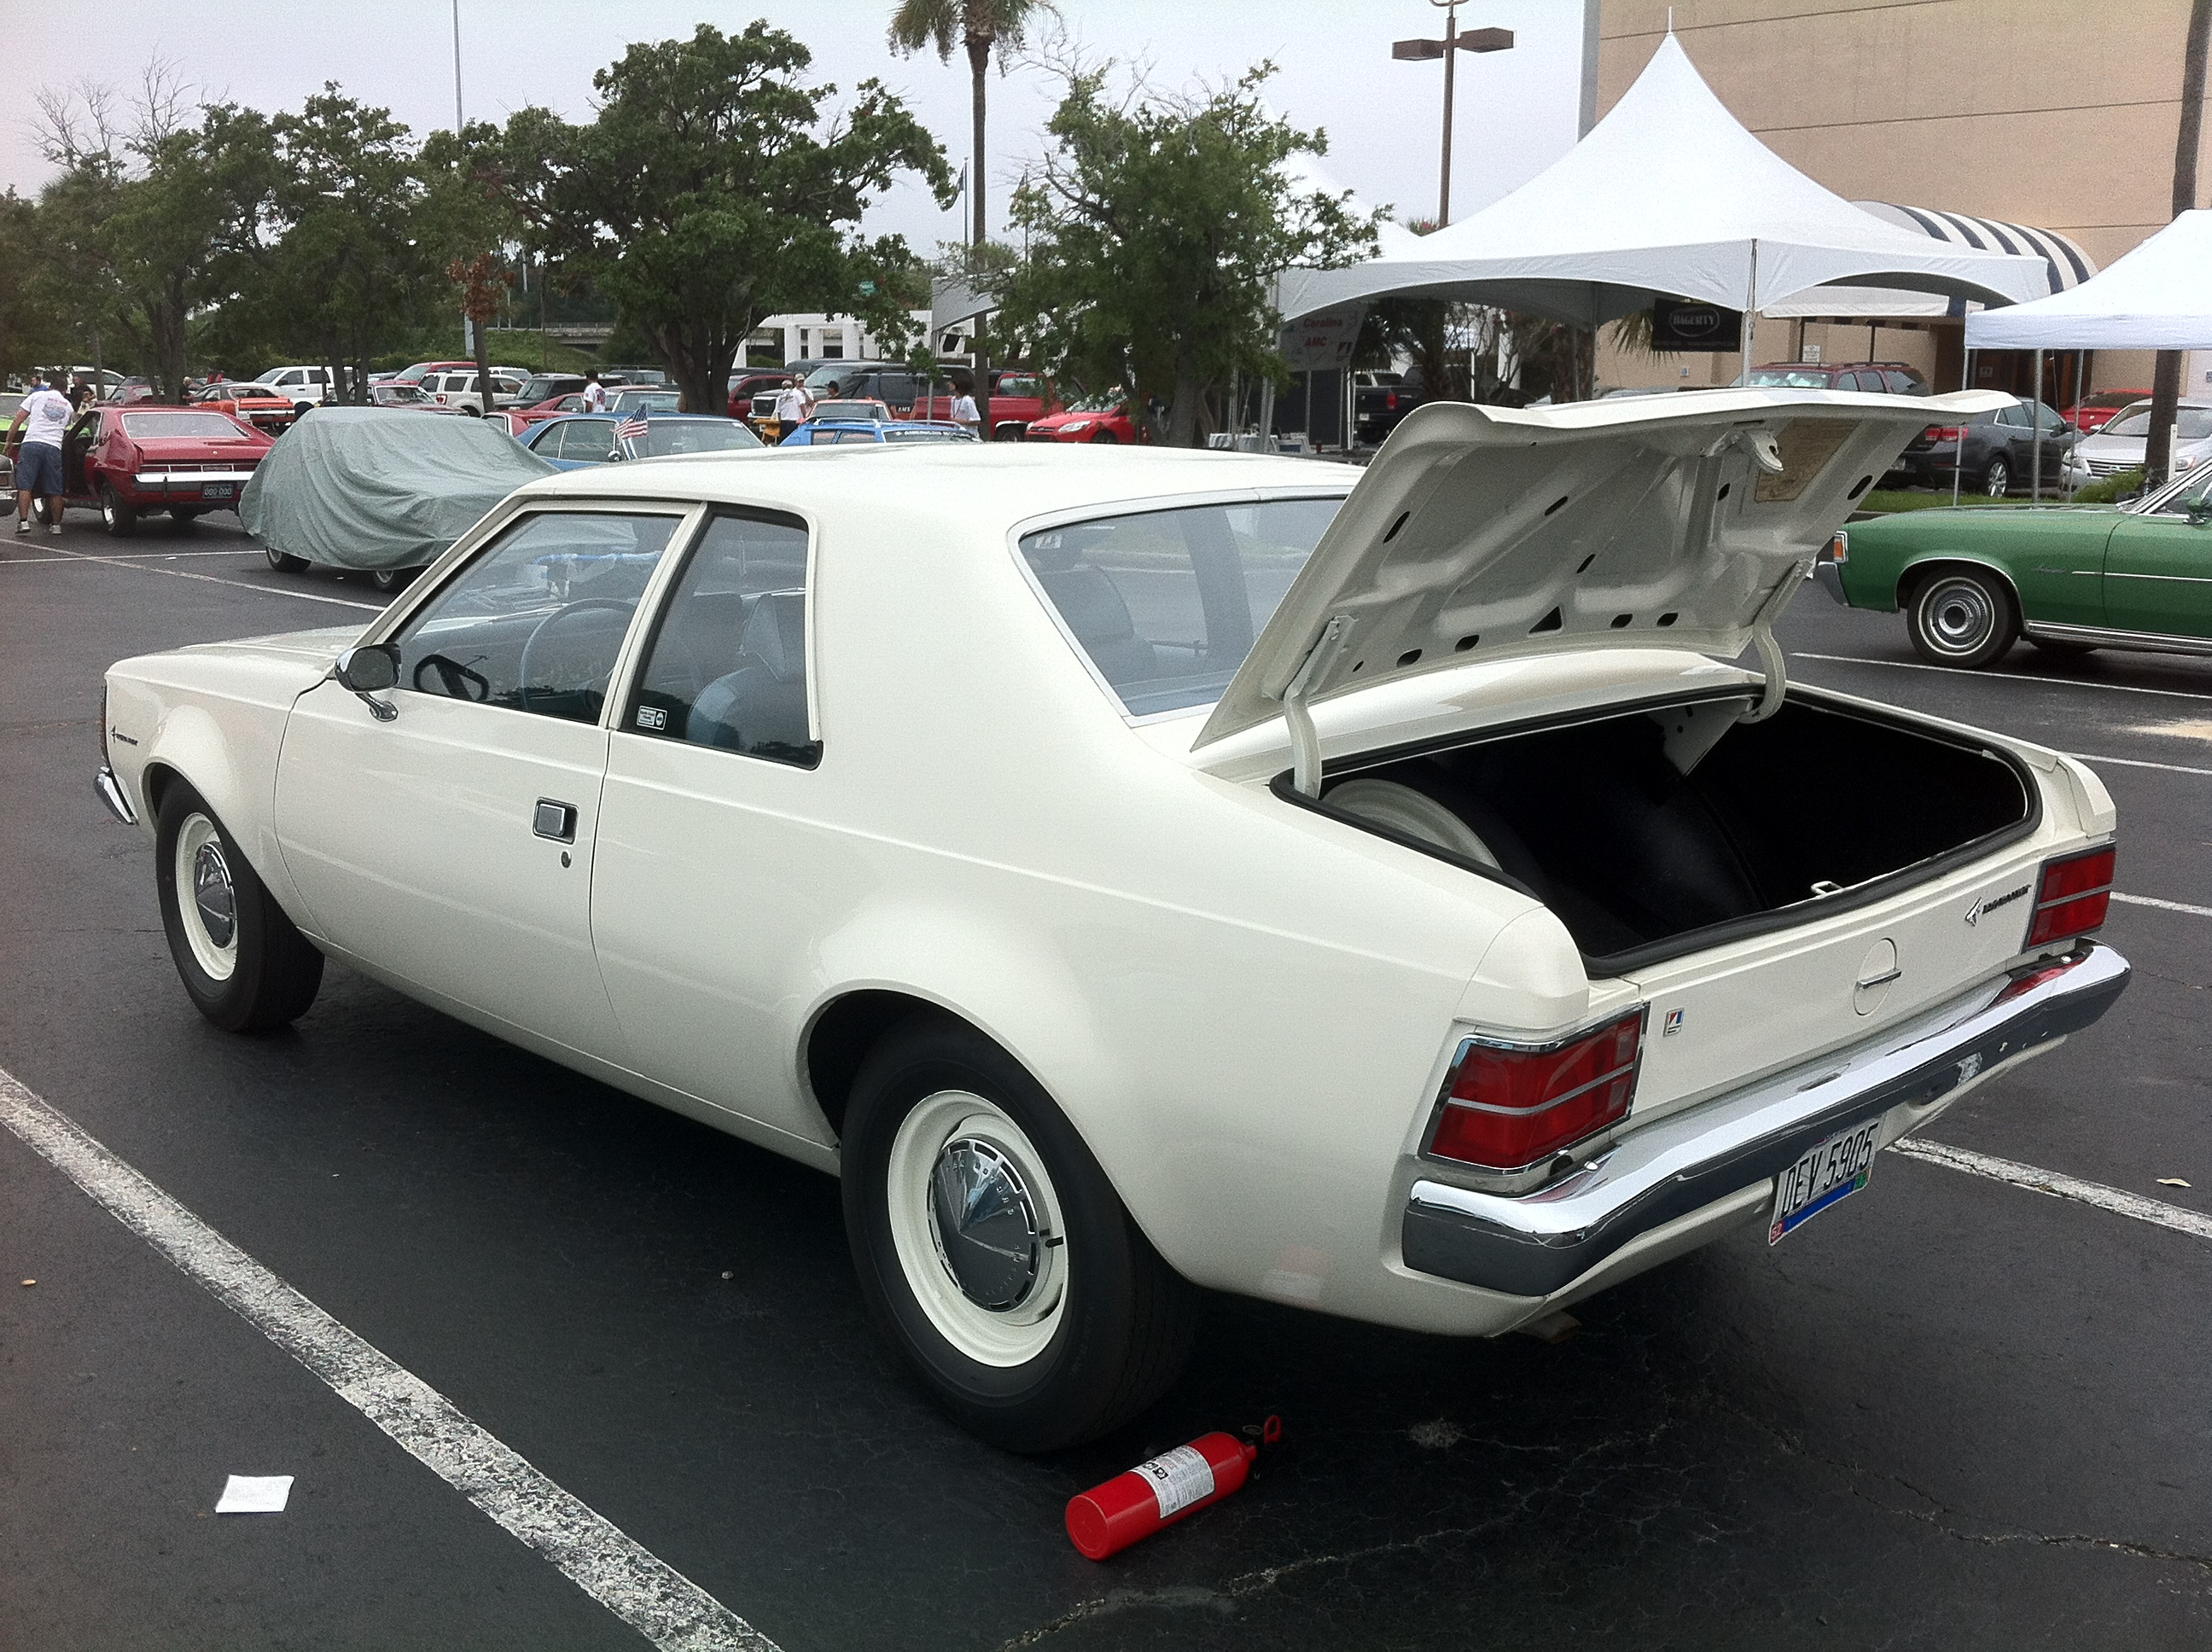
(398, 392)
(1787, 379)
(1021, 384)
(865, 412)
(665, 437)
(837, 373)
(182, 426)
(2195, 423)
(645, 401)
(1166, 603)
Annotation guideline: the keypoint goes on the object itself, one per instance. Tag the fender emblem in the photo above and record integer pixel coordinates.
(1671, 1025)
(1981, 908)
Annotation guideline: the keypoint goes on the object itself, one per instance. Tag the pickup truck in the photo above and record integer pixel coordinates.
(1018, 399)
(1380, 400)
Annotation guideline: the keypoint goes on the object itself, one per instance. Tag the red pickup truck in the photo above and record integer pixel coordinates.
(1018, 399)
(129, 461)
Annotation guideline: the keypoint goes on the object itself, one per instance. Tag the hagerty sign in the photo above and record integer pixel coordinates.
(1683, 324)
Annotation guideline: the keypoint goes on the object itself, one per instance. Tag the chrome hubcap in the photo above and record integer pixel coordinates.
(977, 1226)
(207, 899)
(1959, 619)
(985, 1224)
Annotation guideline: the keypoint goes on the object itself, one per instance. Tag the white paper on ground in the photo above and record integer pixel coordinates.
(254, 1494)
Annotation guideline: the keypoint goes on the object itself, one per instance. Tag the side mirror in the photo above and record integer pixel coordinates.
(369, 670)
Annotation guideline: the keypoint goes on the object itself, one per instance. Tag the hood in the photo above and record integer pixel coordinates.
(1489, 532)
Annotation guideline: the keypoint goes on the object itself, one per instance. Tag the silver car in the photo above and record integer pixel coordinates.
(2120, 445)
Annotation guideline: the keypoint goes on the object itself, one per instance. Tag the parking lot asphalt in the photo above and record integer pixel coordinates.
(1949, 1412)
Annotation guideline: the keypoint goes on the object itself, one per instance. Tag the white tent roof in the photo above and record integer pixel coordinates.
(2065, 264)
(2159, 297)
(1668, 195)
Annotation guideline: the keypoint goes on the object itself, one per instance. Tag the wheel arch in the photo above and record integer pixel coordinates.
(191, 748)
(1923, 568)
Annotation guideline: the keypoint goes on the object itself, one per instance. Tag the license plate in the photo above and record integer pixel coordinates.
(219, 490)
(1830, 1170)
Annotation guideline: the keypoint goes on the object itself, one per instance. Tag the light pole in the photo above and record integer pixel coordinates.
(1422, 50)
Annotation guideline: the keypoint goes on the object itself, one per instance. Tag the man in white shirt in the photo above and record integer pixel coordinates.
(791, 410)
(964, 413)
(43, 418)
(595, 394)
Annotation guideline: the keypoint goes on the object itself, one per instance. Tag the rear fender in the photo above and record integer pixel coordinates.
(1930, 563)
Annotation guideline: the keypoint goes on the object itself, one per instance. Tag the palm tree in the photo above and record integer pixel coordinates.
(980, 25)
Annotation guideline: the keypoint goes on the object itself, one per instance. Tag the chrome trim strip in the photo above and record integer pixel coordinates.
(1537, 1243)
(192, 478)
(2177, 579)
(2153, 642)
(113, 794)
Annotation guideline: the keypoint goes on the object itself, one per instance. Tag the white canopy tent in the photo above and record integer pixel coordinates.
(1667, 196)
(2159, 297)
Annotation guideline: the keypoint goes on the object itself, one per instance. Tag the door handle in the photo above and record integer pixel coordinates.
(555, 820)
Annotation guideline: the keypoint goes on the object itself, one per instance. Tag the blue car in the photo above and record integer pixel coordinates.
(575, 441)
(829, 433)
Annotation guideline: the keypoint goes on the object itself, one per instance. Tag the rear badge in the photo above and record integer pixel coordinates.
(1671, 1025)
(1981, 910)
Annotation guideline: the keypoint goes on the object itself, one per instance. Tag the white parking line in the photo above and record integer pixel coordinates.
(2138, 762)
(2163, 906)
(118, 556)
(645, 1592)
(2058, 1187)
(242, 585)
(2003, 677)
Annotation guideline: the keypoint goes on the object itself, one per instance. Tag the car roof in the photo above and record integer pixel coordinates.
(1008, 481)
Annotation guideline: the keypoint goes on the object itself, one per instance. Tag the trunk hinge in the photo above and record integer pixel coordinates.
(1305, 743)
(1770, 651)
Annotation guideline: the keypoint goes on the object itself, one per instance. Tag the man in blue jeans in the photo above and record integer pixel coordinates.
(43, 415)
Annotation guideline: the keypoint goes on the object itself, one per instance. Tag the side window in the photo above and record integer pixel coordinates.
(592, 441)
(727, 665)
(1900, 384)
(535, 621)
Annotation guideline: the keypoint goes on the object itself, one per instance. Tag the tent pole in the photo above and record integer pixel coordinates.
(1751, 316)
(1965, 382)
(2035, 443)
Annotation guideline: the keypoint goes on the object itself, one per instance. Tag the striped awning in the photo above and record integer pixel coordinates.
(2065, 264)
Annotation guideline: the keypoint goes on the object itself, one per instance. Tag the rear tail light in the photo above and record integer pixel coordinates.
(1508, 1106)
(1390, 402)
(2073, 896)
(1944, 431)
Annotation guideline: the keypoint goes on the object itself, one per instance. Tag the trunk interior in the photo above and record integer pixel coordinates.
(1655, 831)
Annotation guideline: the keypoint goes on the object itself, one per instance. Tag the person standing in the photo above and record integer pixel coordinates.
(595, 393)
(964, 413)
(43, 418)
(79, 394)
(790, 409)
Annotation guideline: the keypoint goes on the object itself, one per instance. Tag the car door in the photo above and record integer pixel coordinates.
(706, 896)
(2158, 567)
(451, 844)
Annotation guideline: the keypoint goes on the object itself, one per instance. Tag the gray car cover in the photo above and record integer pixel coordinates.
(381, 487)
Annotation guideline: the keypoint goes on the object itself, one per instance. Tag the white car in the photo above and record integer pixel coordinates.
(307, 386)
(1133, 869)
(2121, 443)
(458, 389)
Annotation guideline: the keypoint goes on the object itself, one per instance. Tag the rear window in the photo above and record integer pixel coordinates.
(665, 437)
(1166, 603)
(181, 427)
(1790, 379)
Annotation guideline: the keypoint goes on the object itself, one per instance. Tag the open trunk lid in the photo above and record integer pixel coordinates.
(1481, 532)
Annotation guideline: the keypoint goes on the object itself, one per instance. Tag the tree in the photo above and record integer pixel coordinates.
(980, 25)
(1156, 230)
(702, 197)
(2165, 380)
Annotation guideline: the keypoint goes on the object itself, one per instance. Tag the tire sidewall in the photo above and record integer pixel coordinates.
(1029, 1407)
(229, 1004)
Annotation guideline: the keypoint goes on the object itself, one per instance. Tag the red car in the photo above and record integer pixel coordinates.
(258, 405)
(130, 461)
(1099, 421)
(521, 419)
(2095, 410)
(1019, 398)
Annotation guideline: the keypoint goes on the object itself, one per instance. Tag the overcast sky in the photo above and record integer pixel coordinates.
(1516, 110)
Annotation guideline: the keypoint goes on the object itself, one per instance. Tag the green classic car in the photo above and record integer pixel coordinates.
(1971, 582)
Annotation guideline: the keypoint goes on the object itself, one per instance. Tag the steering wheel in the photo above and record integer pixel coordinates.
(588, 604)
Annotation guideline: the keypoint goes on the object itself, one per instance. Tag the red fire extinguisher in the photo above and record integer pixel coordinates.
(1129, 1508)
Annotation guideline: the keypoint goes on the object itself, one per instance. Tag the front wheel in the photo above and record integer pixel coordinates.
(116, 515)
(992, 1251)
(1104, 437)
(1964, 619)
(245, 967)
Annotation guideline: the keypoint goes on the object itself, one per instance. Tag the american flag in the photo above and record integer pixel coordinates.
(631, 429)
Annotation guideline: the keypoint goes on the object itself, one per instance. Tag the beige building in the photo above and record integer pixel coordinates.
(2057, 114)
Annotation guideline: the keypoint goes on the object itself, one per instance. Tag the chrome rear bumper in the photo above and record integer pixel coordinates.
(1534, 1244)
